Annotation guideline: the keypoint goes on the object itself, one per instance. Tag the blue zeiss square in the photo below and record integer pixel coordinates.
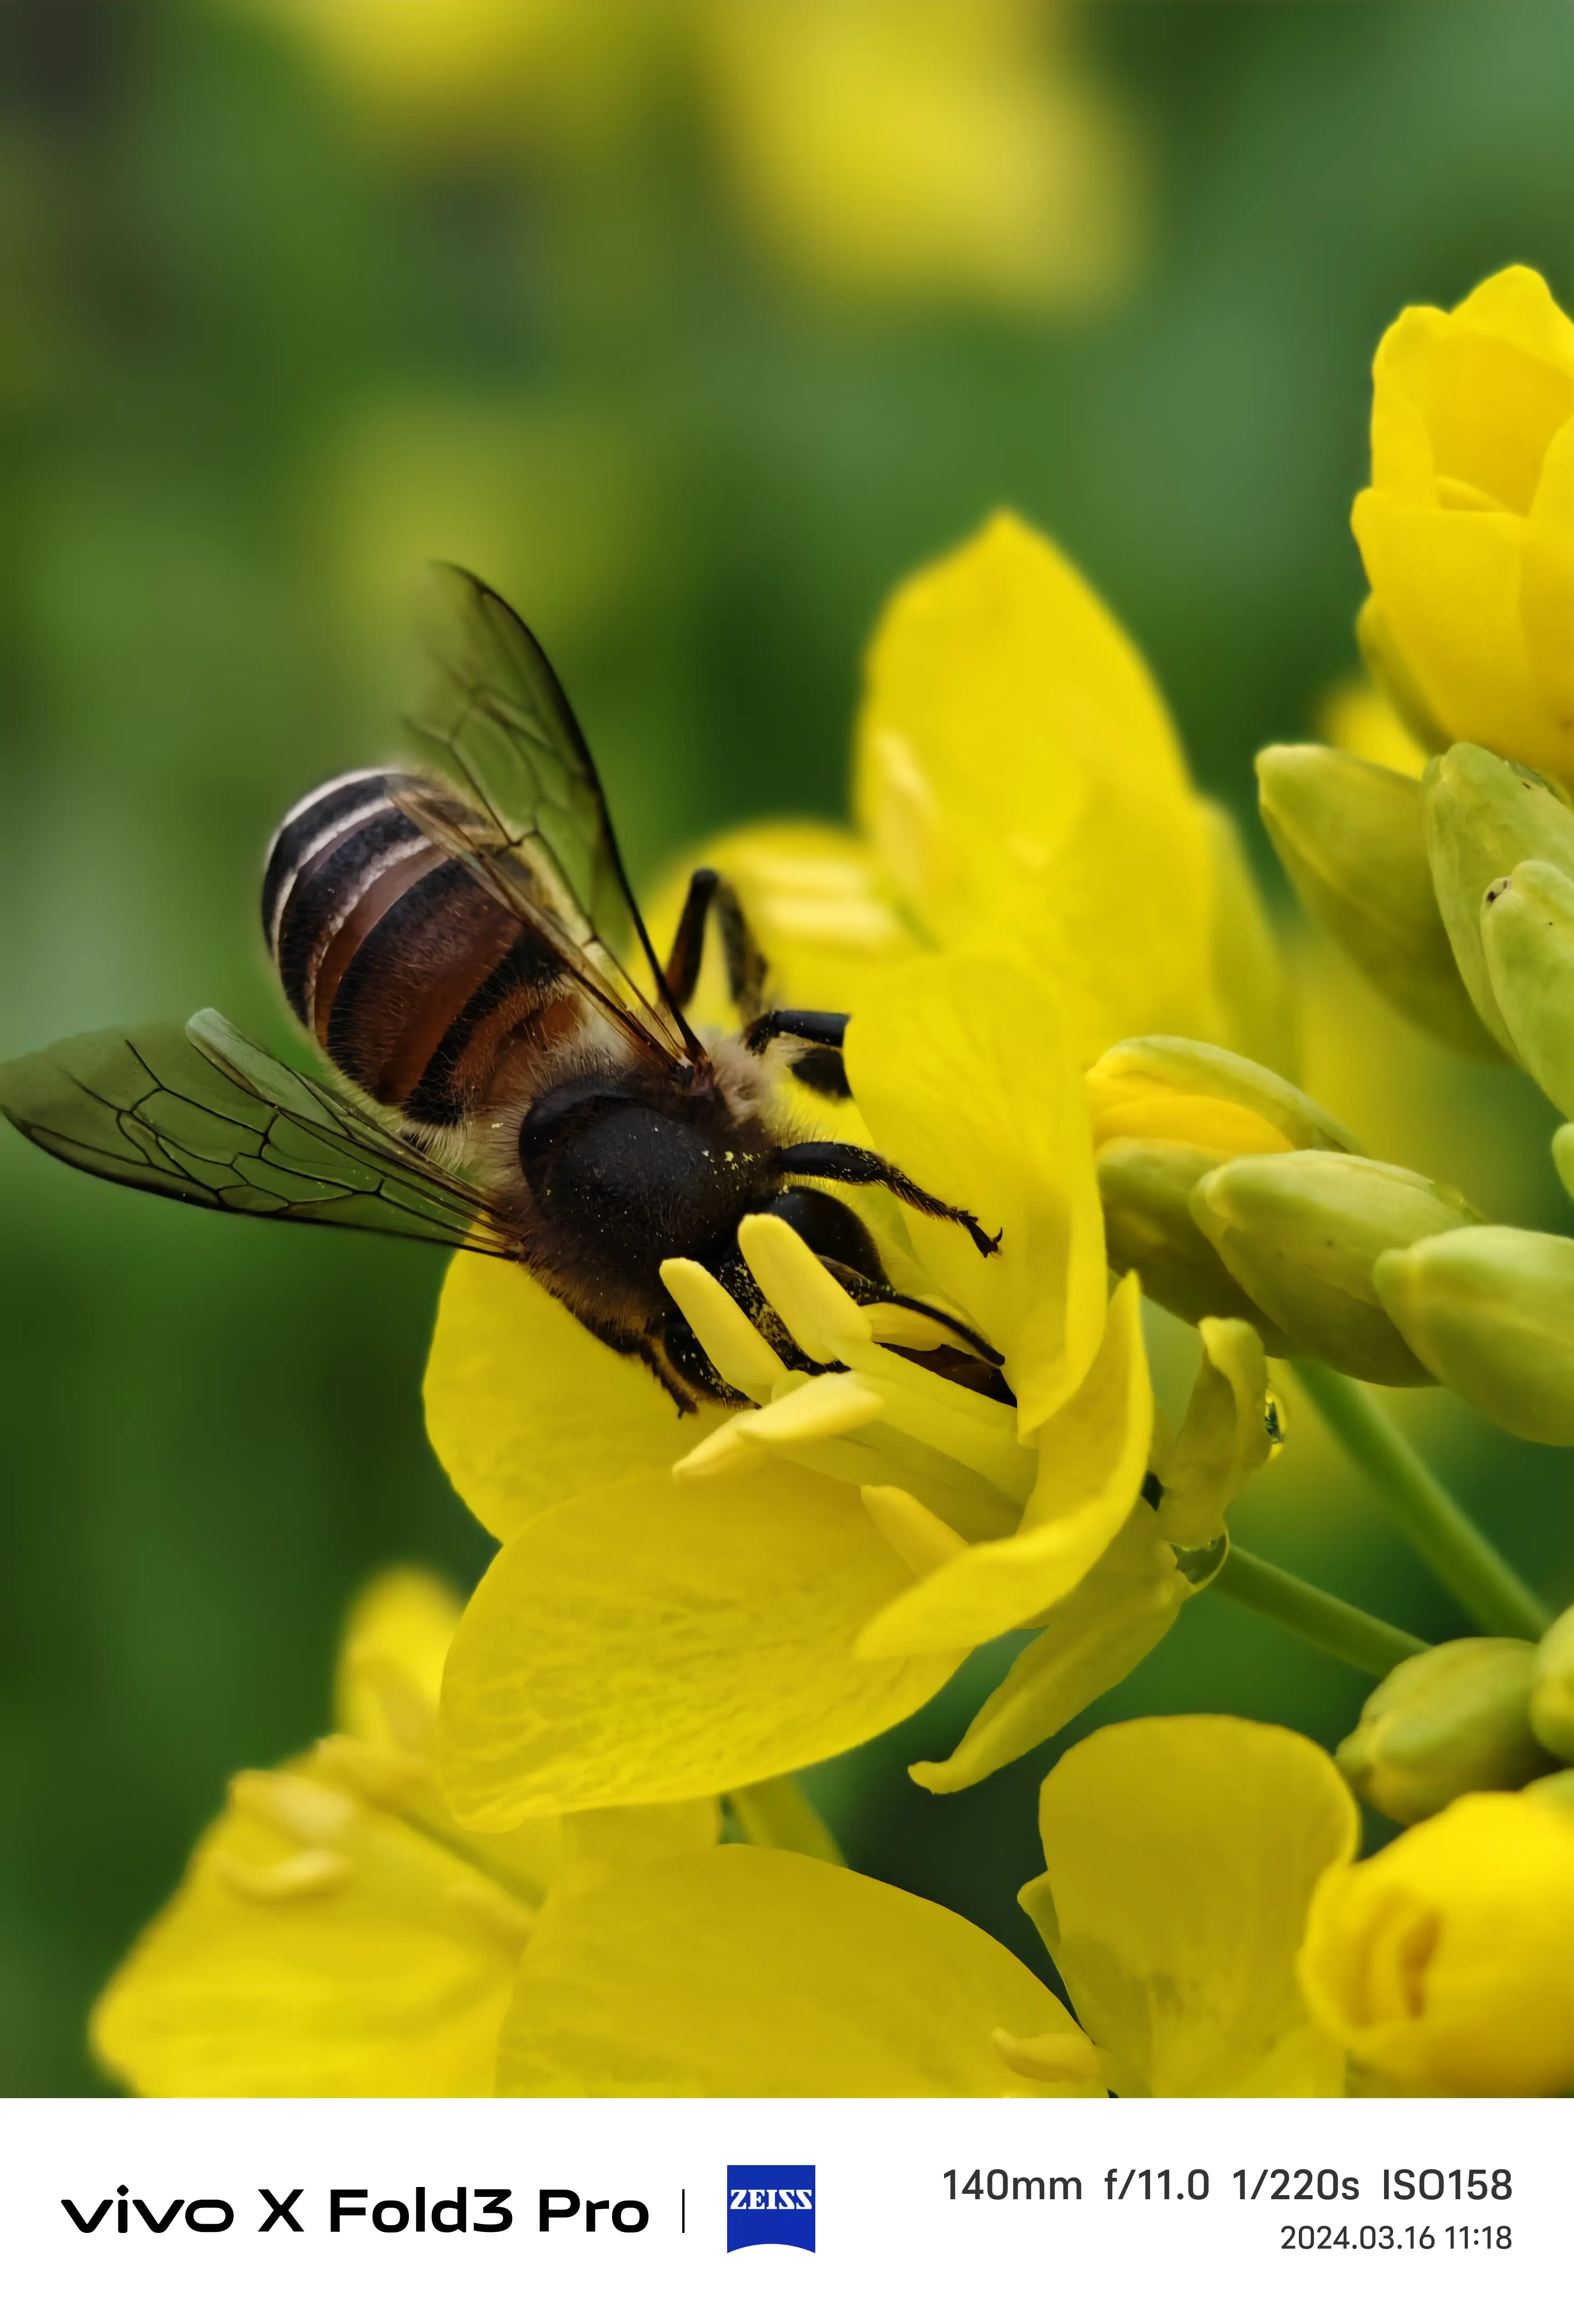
(770, 2203)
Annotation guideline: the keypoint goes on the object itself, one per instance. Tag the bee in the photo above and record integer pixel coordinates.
(513, 1070)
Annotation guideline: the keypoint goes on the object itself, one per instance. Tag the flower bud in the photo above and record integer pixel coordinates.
(1300, 1232)
(1396, 680)
(1161, 1086)
(1489, 1310)
(1454, 1719)
(1552, 1711)
(1483, 815)
(1165, 1113)
(1145, 1186)
(1349, 835)
(1527, 934)
(1441, 1963)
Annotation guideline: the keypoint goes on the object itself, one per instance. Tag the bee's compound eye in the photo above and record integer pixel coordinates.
(829, 1229)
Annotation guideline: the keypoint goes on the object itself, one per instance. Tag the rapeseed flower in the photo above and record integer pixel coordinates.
(1442, 1963)
(335, 1935)
(1466, 530)
(1018, 781)
(1181, 1856)
(894, 151)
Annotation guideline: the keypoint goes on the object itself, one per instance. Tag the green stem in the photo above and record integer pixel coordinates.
(777, 1814)
(1451, 1545)
(1315, 1615)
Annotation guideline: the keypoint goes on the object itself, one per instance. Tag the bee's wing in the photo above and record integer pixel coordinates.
(506, 782)
(201, 1114)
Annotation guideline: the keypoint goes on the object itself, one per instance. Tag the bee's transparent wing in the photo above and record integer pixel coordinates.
(517, 796)
(201, 1114)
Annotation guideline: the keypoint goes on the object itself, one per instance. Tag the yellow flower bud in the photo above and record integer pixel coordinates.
(1527, 933)
(1484, 815)
(1467, 529)
(1552, 1711)
(1167, 1088)
(1349, 835)
(1442, 1963)
(1451, 1720)
(1300, 1232)
(1489, 1310)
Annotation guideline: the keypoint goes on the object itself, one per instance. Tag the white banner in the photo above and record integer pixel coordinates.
(803, 2208)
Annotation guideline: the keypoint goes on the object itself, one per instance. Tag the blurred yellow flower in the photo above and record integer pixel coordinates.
(1468, 527)
(1018, 782)
(923, 149)
(1443, 1964)
(335, 1935)
(905, 151)
(1181, 1853)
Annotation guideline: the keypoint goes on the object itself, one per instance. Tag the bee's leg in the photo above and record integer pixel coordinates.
(745, 964)
(821, 1066)
(855, 1165)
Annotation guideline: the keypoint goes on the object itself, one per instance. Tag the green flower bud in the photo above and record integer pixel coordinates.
(1527, 936)
(1552, 1712)
(1483, 815)
(1349, 835)
(1453, 1719)
(1146, 1185)
(1489, 1310)
(1301, 1232)
(1165, 1113)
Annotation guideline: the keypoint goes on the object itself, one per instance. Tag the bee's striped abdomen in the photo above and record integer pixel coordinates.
(405, 968)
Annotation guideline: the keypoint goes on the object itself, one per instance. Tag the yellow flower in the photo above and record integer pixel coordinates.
(1018, 782)
(1356, 716)
(1181, 1853)
(1444, 1962)
(821, 1562)
(905, 151)
(335, 1935)
(916, 149)
(1467, 528)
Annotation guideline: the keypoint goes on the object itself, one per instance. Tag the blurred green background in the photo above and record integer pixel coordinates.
(694, 324)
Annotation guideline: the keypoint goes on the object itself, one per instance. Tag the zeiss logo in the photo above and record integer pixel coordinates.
(770, 2203)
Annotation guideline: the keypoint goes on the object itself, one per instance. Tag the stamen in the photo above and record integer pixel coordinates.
(924, 1542)
(808, 1298)
(830, 1404)
(744, 1357)
(501, 1917)
(411, 1715)
(384, 1779)
(293, 1806)
(315, 1872)
(1067, 2056)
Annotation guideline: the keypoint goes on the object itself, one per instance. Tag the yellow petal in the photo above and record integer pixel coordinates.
(1488, 402)
(1019, 777)
(388, 1981)
(1225, 1436)
(1183, 1854)
(660, 1641)
(818, 902)
(1443, 1961)
(1547, 589)
(1516, 305)
(963, 1079)
(1449, 585)
(1089, 1643)
(1091, 1459)
(755, 1973)
(396, 1641)
(1255, 1000)
(526, 1409)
